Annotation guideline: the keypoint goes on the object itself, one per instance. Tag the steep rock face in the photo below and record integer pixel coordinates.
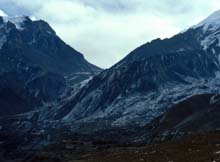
(37, 67)
(153, 76)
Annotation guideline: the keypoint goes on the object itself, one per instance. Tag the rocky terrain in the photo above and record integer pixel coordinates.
(189, 131)
(160, 103)
(150, 79)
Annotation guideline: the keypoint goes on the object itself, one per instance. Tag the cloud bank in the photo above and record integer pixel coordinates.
(107, 30)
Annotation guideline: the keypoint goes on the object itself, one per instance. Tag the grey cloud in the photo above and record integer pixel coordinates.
(106, 30)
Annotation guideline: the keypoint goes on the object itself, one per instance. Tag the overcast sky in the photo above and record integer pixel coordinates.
(105, 31)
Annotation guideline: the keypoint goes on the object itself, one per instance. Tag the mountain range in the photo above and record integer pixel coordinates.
(151, 79)
(164, 89)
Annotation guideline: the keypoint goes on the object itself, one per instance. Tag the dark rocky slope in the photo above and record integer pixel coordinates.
(197, 114)
(36, 66)
(150, 79)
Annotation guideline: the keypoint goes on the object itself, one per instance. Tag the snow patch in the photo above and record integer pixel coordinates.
(84, 82)
(17, 21)
(2, 13)
(212, 22)
(210, 30)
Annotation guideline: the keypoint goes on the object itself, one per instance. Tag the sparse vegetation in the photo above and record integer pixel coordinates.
(198, 148)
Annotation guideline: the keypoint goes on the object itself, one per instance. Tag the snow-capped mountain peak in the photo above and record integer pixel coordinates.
(212, 22)
(33, 55)
(208, 31)
(17, 21)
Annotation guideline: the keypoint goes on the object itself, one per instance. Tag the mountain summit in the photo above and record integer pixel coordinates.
(209, 30)
(36, 66)
(212, 21)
